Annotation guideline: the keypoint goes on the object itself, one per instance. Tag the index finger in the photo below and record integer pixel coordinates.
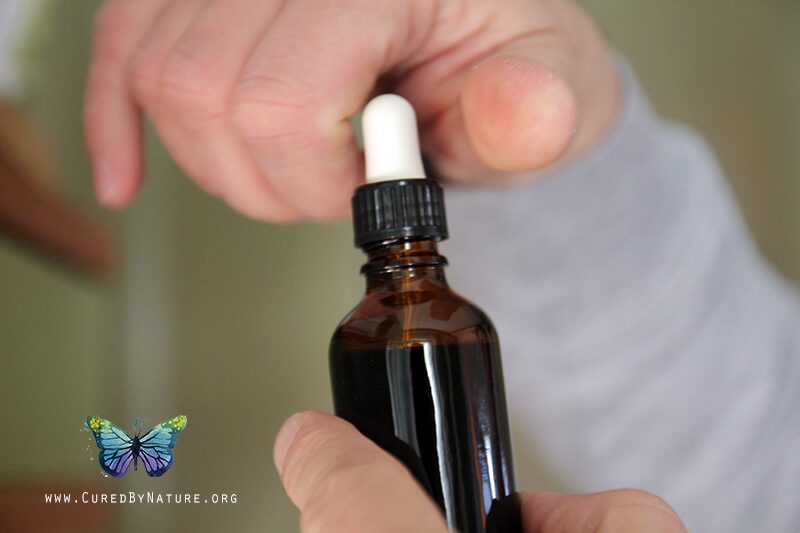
(112, 122)
(343, 482)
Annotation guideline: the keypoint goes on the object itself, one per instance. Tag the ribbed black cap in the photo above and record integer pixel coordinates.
(398, 209)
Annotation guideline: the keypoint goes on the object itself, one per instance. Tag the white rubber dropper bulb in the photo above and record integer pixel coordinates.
(391, 141)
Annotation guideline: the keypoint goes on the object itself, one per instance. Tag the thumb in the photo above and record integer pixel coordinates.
(541, 98)
(518, 113)
(342, 482)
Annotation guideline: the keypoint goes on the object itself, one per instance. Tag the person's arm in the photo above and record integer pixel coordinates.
(645, 341)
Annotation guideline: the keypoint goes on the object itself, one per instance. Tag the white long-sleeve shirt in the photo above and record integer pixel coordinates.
(645, 341)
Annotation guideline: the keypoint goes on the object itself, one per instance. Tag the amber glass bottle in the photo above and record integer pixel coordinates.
(416, 368)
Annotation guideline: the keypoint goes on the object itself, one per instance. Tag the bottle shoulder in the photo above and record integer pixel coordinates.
(423, 313)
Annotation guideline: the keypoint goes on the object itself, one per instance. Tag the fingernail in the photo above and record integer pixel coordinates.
(284, 440)
(105, 183)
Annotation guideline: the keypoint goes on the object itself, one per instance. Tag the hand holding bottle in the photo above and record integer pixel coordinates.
(343, 482)
(252, 98)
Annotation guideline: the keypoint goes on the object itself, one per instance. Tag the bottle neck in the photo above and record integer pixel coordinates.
(399, 263)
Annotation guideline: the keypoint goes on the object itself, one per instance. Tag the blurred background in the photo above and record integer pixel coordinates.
(180, 306)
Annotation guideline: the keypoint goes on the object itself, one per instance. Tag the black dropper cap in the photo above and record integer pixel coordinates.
(411, 208)
(398, 201)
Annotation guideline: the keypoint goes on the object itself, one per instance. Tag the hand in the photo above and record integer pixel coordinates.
(252, 97)
(342, 482)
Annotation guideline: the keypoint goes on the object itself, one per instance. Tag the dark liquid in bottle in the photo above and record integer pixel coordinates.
(436, 408)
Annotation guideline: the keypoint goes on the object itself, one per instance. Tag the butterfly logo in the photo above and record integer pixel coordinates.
(154, 448)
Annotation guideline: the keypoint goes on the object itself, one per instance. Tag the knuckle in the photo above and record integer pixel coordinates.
(143, 75)
(109, 20)
(189, 85)
(264, 114)
(257, 210)
(316, 474)
(300, 460)
(345, 476)
(345, 482)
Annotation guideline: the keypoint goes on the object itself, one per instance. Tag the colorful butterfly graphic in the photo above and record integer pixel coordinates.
(117, 449)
